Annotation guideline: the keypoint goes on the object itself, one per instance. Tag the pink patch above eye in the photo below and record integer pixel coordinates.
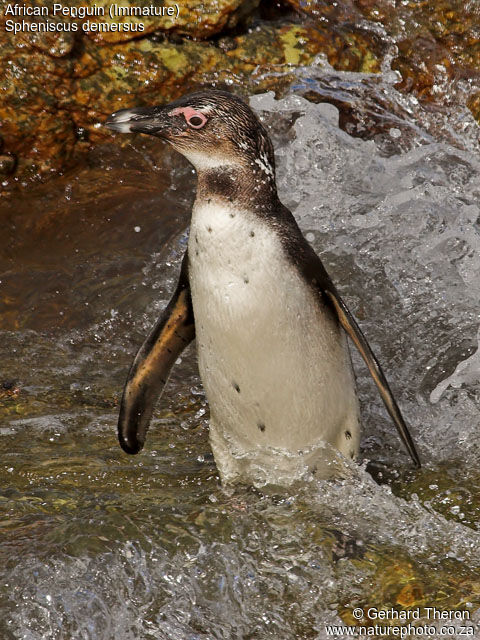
(190, 113)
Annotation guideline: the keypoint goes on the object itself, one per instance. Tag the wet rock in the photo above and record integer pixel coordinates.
(269, 46)
(474, 105)
(437, 46)
(195, 18)
(54, 44)
(7, 164)
(33, 75)
(434, 44)
(133, 19)
(348, 46)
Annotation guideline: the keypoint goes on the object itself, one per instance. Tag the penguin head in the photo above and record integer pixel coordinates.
(210, 128)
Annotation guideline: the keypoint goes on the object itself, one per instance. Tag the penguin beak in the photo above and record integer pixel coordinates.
(152, 120)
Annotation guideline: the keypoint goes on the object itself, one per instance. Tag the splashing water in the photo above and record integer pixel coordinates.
(95, 544)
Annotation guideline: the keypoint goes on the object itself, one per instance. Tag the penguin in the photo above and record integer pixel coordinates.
(270, 327)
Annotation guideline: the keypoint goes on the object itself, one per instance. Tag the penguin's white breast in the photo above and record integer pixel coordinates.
(274, 363)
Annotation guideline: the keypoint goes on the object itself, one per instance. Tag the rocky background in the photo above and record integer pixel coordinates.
(56, 88)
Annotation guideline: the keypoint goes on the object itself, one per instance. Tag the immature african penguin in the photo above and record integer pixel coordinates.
(270, 326)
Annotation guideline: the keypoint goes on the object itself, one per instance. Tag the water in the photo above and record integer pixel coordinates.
(98, 545)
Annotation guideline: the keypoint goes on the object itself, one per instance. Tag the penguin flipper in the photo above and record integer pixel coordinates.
(352, 329)
(151, 367)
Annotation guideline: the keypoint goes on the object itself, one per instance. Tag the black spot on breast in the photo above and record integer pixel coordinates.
(209, 229)
(252, 234)
(236, 387)
(246, 280)
(261, 426)
(348, 435)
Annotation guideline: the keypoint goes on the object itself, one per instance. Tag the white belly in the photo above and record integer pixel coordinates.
(274, 364)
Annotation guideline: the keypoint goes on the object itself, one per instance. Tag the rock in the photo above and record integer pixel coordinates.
(199, 19)
(437, 47)
(196, 19)
(7, 164)
(348, 47)
(32, 123)
(56, 45)
(474, 106)
(436, 42)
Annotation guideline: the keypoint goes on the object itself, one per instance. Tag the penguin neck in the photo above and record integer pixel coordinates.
(244, 187)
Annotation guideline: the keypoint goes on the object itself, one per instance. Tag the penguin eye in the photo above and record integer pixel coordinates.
(196, 121)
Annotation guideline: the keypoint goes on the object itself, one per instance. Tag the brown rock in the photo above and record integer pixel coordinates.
(54, 44)
(32, 124)
(7, 164)
(195, 18)
(347, 46)
(437, 42)
(474, 106)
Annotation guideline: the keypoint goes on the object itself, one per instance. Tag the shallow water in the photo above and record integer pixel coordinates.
(95, 544)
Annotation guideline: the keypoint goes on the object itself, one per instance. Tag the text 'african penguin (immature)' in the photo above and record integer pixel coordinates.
(269, 324)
